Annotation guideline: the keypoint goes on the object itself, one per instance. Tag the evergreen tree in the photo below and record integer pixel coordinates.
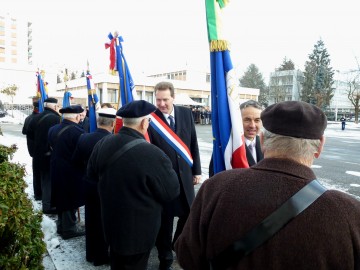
(286, 65)
(317, 87)
(252, 78)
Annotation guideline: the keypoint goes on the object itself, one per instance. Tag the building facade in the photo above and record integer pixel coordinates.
(15, 40)
(285, 85)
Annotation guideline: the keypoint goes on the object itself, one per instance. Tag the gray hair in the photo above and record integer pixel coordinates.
(105, 121)
(70, 115)
(50, 105)
(289, 147)
(251, 103)
(132, 121)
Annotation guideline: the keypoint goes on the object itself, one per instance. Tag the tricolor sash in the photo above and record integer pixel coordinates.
(171, 138)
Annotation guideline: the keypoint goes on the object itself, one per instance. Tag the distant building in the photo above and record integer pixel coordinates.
(285, 85)
(15, 40)
(194, 84)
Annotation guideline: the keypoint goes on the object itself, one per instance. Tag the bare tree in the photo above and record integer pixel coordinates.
(11, 92)
(353, 94)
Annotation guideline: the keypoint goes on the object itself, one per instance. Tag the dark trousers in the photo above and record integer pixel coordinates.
(129, 262)
(46, 189)
(96, 247)
(36, 179)
(342, 125)
(165, 241)
(66, 221)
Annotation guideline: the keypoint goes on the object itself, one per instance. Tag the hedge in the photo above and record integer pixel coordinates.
(21, 237)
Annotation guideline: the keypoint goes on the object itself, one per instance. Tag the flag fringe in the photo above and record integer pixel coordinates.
(218, 45)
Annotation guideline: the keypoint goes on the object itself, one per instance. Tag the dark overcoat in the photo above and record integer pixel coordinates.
(30, 141)
(325, 236)
(67, 179)
(96, 248)
(185, 129)
(38, 131)
(132, 190)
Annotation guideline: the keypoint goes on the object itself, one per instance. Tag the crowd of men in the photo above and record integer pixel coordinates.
(134, 183)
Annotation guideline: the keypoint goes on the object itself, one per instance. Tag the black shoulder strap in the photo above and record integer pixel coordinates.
(42, 119)
(121, 151)
(62, 131)
(269, 226)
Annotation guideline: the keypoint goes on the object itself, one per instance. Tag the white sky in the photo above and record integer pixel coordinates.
(166, 34)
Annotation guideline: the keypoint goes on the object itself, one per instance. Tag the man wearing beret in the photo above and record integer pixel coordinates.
(30, 146)
(68, 189)
(180, 120)
(96, 247)
(325, 235)
(38, 131)
(135, 179)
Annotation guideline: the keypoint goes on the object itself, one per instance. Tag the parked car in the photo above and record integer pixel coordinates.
(2, 113)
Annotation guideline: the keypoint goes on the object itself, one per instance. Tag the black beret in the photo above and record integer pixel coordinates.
(72, 109)
(51, 100)
(107, 112)
(136, 109)
(294, 119)
(36, 104)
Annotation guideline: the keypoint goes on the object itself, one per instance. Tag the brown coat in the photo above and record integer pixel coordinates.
(325, 236)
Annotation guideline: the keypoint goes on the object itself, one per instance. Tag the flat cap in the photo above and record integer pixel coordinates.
(51, 100)
(72, 109)
(294, 119)
(136, 109)
(107, 112)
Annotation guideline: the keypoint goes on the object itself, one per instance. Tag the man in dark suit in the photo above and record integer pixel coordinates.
(38, 131)
(250, 112)
(30, 146)
(179, 119)
(135, 179)
(68, 189)
(96, 247)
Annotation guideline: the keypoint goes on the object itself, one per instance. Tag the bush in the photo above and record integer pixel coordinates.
(21, 237)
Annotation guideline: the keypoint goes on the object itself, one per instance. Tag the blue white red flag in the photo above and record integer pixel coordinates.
(228, 145)
(118, 63)
(41, 91)
(93, 102)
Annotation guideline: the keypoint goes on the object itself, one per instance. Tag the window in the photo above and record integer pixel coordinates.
(13, 60)
(2, 42)
(112, 97)
(208, 77)
(2, 50)
(13, 35)
(13, 52)
(2, 59)
(13, 43)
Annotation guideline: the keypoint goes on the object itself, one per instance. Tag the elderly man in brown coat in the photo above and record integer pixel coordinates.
(232, 224)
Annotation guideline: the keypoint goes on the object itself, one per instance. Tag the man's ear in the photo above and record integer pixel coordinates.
(261, 136)
(321, 147)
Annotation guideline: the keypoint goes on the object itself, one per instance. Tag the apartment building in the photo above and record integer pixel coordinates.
(285, 85)
(15, 40)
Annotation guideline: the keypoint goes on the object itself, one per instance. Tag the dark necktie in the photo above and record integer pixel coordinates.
(252, 150)
(172, 123)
